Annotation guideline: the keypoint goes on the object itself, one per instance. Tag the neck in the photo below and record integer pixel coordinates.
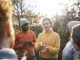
(24, 31)
(48, 31)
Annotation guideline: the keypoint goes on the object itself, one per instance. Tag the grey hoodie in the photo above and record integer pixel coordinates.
(68, 52)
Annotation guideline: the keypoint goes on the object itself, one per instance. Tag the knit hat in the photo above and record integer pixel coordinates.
(23, 21)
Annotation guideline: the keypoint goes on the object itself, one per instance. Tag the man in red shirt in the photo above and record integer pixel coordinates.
(25, 40)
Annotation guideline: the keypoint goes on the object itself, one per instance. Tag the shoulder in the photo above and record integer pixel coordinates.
(40, 34)
(55, 33)
(18, 32)
(31, 32)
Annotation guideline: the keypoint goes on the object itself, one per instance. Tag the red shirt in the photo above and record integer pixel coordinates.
(21, 37)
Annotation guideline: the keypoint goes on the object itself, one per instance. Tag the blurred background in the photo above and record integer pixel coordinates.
(60, 12)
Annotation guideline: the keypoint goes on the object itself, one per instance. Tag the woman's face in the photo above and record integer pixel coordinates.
(46, 25)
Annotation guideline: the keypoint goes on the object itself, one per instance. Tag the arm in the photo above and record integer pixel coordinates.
(16, 42)
(34, 38)
(10, 33)
(37, 44)
(54, 50)
(17, 45)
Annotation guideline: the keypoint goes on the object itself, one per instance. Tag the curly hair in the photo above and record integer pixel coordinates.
(5, 19)
(5, 10)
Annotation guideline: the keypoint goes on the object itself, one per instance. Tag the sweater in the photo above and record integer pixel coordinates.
(22, 37)
(51, 40)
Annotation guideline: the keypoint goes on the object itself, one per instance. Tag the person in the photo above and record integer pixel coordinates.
(7, 36)
(75, 36)
(48, 42)
(7, 54)
(25, 35)
(6, 24)
(68, 51)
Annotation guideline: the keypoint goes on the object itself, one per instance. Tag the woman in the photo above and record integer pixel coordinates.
(6, 23)
(48, 42)
(7, 36)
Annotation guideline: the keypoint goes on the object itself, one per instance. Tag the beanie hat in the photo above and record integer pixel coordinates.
(23, 21)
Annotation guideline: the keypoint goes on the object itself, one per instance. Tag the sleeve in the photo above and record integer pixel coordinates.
(34, 38)
(38, 42)
(54, 50)
(17, 43)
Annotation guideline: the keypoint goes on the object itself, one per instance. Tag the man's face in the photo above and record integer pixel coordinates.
(76, 47)
(25, 27)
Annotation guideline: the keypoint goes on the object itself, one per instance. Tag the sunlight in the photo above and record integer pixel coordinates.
(51, 7)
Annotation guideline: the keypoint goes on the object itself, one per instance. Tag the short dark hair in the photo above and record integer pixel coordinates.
(76, 35)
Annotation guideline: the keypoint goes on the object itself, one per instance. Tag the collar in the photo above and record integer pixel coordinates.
(47, 32)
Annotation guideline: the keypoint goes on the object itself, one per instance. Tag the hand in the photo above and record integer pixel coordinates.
(42, 47)
(20, 46)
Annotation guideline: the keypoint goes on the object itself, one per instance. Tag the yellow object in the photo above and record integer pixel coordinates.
(52, 42)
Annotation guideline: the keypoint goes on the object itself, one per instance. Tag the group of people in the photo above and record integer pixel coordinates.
(13, 46)
(47, 44)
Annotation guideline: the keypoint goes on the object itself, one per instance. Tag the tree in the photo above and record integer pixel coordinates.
(77, 5)
(60, 24)
(20, 8)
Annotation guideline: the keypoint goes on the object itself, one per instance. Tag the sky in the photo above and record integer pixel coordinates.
(49, 7)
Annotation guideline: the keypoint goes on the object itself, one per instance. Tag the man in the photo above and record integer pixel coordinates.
(75, 36)
(68, 51)
(25, 35)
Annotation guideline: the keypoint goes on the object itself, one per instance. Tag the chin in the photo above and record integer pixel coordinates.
(47, 29)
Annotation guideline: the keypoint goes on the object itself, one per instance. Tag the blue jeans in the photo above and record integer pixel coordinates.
(48, 58)
(31, 57)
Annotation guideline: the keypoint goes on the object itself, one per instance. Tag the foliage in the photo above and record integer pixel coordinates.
(36, 29)
(61, 23)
